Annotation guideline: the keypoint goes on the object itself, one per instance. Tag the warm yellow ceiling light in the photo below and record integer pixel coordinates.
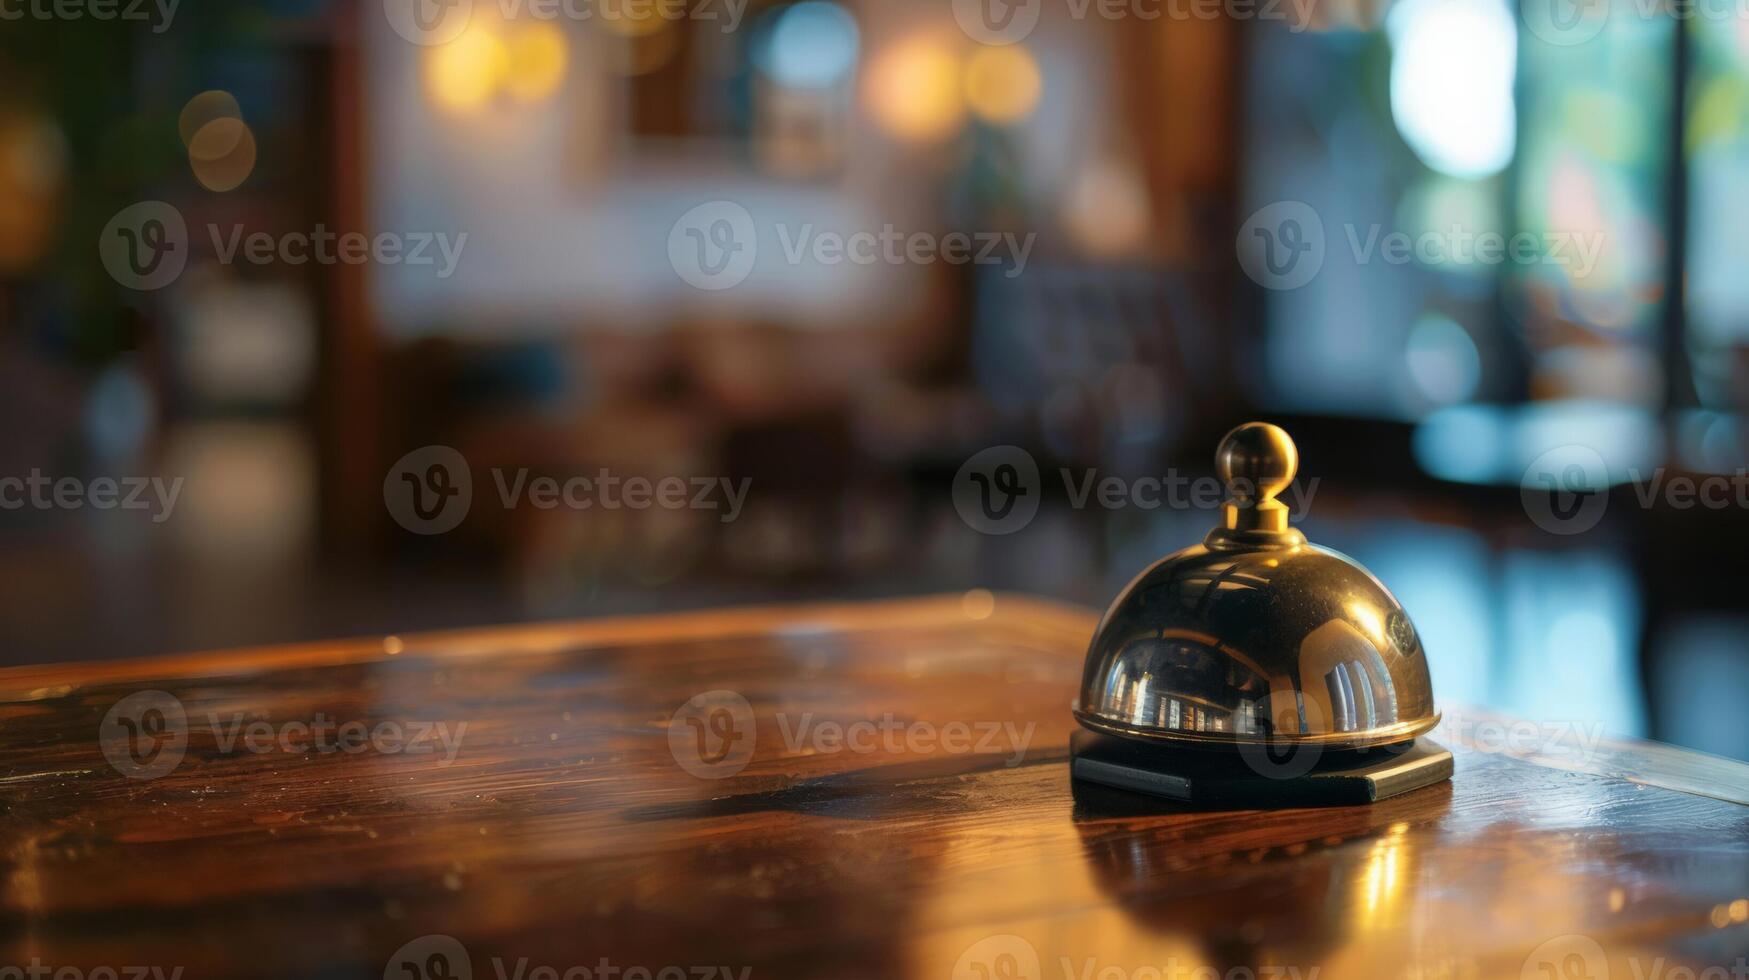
(538, 55)
(913, 89)
(1003, 83)
(464, 75)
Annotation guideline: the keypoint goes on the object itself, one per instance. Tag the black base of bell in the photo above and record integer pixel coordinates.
(1261, 778)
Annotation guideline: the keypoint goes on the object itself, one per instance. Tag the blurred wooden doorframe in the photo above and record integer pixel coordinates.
(348, 409)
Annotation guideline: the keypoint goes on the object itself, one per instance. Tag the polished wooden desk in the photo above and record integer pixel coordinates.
(582, 822)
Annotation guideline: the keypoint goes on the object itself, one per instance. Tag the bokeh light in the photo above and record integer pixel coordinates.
(222, 154)
(1107, 211)
(1003, 83)
(466, 73)
(811, 45)
(208, 106)
(914, 90)
(538, 54)
(1443, 360)
(1453, 67)
(33, 168)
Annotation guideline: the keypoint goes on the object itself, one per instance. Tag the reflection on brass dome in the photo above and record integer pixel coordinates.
(1255, 635)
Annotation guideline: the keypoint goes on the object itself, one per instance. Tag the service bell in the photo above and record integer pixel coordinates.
(1256, 637)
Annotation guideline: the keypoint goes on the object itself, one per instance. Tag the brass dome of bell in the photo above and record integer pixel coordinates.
(1256, 636)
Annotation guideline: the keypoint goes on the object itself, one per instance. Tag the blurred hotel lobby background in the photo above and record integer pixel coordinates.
(1193, 214)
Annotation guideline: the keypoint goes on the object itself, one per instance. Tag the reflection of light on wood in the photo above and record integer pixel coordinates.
(222, 154)
(1382, 881)
(537, 56)
(463, 75)
(978, 604)
(913, 89)
(1003, 84)
(965, 893)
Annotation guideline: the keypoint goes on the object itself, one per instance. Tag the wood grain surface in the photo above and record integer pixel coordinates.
(892, 800)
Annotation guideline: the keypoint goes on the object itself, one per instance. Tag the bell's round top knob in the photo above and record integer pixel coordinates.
(1256, 461)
